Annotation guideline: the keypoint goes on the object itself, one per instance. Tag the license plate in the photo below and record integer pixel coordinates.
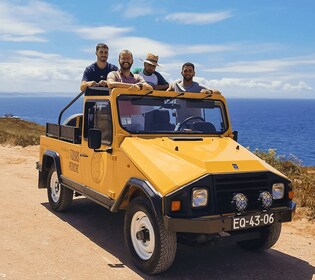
(253, 221)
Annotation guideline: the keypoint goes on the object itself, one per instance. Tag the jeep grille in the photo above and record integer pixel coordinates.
(225, 186)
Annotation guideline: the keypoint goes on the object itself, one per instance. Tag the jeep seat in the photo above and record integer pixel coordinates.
(158, 120)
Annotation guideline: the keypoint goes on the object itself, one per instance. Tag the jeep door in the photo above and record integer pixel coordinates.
(97, 166)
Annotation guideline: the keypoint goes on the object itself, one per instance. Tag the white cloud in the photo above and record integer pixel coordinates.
(21, 38)
(142, 45)
(260, 66)
(102, 32)
(29, 22)
(297, 87)
(135, 9)
(41, 72)
(139, 46)
(197, 18)
(36, 54)
(267, 85)
(195, 49)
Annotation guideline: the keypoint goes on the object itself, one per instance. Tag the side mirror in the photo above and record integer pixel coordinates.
(235, 135)
(94, 138)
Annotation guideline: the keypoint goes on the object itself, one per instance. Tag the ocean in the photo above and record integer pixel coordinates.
(288, 126)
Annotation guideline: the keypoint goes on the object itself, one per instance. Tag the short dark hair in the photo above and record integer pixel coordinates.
(125, 51)
(101, 46)
(188, 64)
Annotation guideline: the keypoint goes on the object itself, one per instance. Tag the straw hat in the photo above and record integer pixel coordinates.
(151, 59)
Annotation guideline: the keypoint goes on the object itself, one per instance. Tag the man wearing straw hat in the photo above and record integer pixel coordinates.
(152, 77)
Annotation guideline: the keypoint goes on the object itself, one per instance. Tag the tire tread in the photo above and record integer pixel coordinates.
(66, 195)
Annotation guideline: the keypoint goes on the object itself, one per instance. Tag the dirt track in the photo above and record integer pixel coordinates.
(87, 242)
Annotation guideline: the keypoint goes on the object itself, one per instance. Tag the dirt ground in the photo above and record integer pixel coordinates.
(87, 242)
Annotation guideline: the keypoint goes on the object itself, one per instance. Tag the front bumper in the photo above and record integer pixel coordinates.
(216, 224)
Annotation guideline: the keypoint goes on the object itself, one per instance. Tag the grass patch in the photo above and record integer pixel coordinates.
(14, 131)
(303, 178)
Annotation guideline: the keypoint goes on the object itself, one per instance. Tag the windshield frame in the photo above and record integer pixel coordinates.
(218, 104)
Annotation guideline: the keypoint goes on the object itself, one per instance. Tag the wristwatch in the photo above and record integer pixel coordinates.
(140, 85)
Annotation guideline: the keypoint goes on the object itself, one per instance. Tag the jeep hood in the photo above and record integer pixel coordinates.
(169, 163)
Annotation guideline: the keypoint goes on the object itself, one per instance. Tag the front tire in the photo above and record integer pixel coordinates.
(268, 237)
(152, 248)
(60, 197)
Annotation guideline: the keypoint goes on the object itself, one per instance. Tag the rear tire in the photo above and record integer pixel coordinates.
(152, 248)
(60, 197)
(269, 237)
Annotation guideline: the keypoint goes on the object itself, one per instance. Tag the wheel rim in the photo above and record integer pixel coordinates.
(54, 187)
(141, 223)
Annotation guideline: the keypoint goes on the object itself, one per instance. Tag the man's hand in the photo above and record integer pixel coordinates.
(102, 83)
(207, 91)
(86, 84)
(92, 84)
(134, 87)
(147, 86)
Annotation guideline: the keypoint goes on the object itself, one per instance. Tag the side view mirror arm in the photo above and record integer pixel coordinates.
(235, 136)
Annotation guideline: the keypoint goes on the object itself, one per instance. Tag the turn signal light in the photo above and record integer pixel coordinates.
(175, 205)
(291, 194)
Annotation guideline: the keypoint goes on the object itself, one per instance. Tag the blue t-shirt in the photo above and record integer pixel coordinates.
(94, 73)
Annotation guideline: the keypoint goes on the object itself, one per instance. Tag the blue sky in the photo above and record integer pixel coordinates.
(243, 48)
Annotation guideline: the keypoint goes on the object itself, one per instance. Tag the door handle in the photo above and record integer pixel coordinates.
(84, 155)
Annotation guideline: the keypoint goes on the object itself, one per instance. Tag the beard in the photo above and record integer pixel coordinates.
(187, 78)
(125, 65)
(102, 58)
(149, 73)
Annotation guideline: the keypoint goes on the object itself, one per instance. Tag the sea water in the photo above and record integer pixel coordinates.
(288, 126)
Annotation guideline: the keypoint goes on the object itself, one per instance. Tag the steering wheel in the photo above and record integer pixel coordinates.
(185, 122)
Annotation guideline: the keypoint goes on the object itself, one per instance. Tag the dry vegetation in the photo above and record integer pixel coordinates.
(303, 178)
(14, 131)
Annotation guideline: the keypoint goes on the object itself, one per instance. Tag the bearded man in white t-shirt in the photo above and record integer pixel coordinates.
(152, 77)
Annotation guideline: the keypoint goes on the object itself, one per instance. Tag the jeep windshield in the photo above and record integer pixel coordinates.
(171, 115)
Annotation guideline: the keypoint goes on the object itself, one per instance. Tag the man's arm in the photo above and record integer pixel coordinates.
(87, 80)
(171, 88)
(162, 83)
(204, 89)
(112, 83)
(86, 84)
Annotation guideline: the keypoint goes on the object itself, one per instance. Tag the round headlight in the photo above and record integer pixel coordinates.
(199, 197)
(278, 191)
(239, 202)
(265, 199)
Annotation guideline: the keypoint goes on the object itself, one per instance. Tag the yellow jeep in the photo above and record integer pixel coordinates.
(172, 162)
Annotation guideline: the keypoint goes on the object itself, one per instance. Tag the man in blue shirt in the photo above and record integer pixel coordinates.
(152, 77)
(96, 73)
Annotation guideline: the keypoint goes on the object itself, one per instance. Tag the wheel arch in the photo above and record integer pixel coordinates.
(136, 187)
(49, 158)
